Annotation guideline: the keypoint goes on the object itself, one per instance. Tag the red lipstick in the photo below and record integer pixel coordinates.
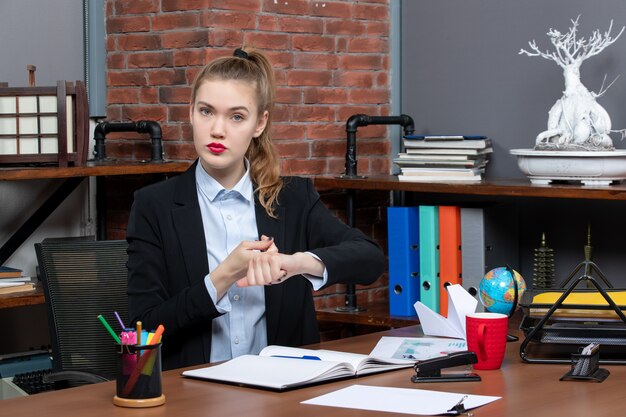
(216, 148)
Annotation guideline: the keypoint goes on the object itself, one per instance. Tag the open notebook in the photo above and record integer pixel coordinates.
(281, 368)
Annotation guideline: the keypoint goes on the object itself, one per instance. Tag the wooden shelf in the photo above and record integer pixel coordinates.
(23, 299)
(375, 314)
(500, 187)
(92, 169)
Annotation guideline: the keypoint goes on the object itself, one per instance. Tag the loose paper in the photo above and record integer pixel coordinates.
(399, 400)
(416, 348)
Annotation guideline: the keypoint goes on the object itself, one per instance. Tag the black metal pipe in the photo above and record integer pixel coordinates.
(143, 126)
(353, 123)
(357, 120)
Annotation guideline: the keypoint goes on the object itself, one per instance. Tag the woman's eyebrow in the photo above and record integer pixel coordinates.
(232, 109)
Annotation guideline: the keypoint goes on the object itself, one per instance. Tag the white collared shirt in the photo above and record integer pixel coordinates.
(228, 218)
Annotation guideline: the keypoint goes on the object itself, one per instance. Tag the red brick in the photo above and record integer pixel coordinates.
(298, 7)
(176, 5)
(361, 62)
(288, 95)
(282, 113)
(180, 151)
(187, 57)
(382, 80)
(136, 6)
(342, 44)
(111, 42)
(266, 23)
(328, 148)
(280, 59)
(300, 25)
(229, 38)
(177, 113)
(368, 45)
(325, 131)
(116, 61)
(325, 95)
(114, 113)
(315, 61)
(167, 77)
(369, 96)
(380, 29)
(284, 131)
(122, 95)
(370, 12)
(374, 146)
(227, 19)
(171, 131)
(345, 27)
(128, 24)
(151, 59)
(280, 75)
(298, 166)
(144, 113)
(355, 79)
(309, 78)
(185, 39)
(247, 5)
(336, 166)
(330, 9)
(298, 149)
(175, 95)
(266, 40)
(313, 43)
(313, 114)
(175, 21)
(149, 95)
(138, 42)
(120, 78)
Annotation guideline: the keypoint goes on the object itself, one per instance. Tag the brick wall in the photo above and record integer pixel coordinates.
(331, 60)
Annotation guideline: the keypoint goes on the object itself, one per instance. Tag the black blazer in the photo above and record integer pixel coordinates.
(167, 263)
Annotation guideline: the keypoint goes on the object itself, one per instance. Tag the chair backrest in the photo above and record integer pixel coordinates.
(81, 280)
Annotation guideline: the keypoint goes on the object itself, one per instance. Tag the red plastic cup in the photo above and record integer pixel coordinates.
(486, 336)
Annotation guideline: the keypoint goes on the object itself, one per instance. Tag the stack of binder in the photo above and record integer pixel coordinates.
(432, 247)
(443, 158)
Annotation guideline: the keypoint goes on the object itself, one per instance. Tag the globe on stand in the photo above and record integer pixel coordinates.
(498, 289)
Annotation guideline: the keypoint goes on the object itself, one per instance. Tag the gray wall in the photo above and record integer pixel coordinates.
(461, 72)
(47, 34)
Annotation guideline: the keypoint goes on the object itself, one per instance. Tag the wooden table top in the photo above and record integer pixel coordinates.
(527, 390)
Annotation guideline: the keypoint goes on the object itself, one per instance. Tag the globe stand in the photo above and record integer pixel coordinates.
(510, 337)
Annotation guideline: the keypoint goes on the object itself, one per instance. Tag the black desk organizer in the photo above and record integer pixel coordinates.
(559, 336)
(585, 367)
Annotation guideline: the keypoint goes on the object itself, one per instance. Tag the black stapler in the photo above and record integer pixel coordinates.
(430, 370)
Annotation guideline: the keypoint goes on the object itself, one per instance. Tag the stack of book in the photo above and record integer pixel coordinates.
(12, 281)
(443, 158)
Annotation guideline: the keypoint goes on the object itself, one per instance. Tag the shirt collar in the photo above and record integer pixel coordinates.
(212, 189)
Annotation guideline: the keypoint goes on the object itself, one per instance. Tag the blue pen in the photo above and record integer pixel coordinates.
(313, 358)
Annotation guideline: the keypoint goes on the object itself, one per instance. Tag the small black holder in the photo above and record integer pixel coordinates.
(585, 367)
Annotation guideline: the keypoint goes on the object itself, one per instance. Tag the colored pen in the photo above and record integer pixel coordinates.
(119, 320)
(313, 358)
(138, 332)
(109, 329)
(132, 380)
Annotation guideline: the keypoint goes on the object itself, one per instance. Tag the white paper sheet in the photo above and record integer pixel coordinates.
(398, 400)
(460, 304)
(416, 348)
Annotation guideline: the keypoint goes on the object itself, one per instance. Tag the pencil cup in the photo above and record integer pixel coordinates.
(138, 379)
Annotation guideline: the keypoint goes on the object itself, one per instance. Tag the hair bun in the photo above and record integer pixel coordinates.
(240, 53)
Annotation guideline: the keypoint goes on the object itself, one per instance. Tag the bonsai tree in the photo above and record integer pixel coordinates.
(576, 121)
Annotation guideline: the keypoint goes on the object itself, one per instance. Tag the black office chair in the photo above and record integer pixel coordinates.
(82, 279)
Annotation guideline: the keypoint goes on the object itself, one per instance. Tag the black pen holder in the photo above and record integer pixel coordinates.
(585, 367)
(138, 378)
